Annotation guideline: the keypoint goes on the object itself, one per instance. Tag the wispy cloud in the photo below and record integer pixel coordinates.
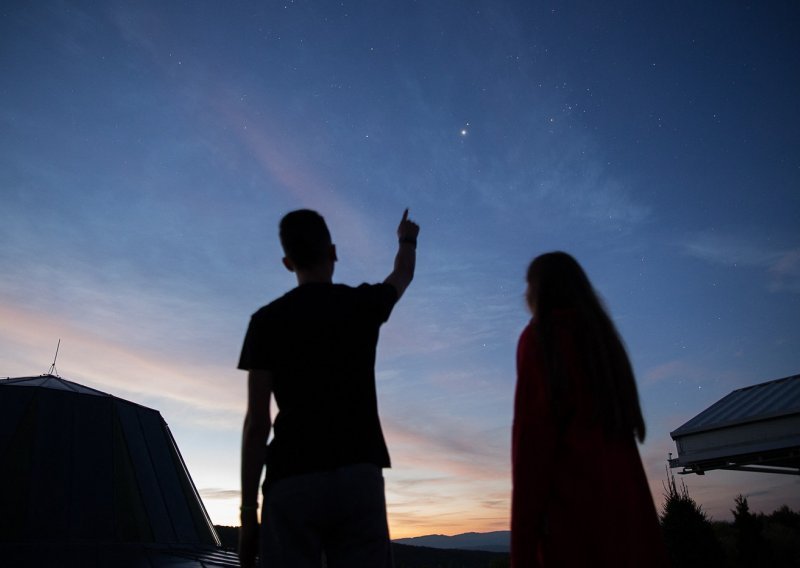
(455, 516)
(785, 272)
(446, 504)
(450, 474)
(140, 27)
(116, 368)
(781, 263)
(255, 128)
(576, 181)
(292, 170)
(676, 370)
(461, 453)
(217, 493)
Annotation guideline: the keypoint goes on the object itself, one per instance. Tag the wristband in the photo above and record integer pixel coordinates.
(408, 241)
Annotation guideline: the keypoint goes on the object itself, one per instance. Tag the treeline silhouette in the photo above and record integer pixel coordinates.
(750, 541)
(406, 556)
(692, 539)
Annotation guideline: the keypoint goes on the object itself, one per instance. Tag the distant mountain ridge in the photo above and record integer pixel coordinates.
(496, 541)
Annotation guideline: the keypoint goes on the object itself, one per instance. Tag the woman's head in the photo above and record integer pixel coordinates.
(556, 281)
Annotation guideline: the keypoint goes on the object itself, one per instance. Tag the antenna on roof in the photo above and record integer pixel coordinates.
(53, 370)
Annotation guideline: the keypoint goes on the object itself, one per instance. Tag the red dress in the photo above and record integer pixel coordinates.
(580, 497)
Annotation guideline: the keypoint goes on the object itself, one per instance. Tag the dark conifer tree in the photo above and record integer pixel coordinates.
(688, 533)
(749, 539)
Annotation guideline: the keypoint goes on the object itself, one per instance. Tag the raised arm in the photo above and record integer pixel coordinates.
(257, 425)
(406, 259)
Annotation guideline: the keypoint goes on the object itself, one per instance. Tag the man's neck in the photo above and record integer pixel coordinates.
(313, 277)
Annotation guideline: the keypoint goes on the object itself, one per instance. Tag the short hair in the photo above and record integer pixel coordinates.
(305, 238)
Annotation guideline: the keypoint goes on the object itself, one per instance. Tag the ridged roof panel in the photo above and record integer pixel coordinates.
(52, 382)
(749, 404)
(86, 466)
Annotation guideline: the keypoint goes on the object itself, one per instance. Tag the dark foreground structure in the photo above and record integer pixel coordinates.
(91, 480)
(755, 428)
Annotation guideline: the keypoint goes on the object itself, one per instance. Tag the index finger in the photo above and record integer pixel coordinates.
(405, 215)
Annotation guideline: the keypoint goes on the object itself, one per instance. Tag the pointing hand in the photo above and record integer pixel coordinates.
(407, 230)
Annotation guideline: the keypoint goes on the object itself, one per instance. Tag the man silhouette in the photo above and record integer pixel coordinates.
(314, 349)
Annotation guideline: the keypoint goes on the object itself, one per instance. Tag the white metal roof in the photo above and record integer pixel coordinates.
(755, 428)
(763, 401)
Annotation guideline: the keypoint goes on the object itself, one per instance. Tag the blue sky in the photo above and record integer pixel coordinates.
(149, 149)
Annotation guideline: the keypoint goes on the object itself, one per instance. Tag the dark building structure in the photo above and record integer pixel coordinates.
(88, 479)
(755, 428)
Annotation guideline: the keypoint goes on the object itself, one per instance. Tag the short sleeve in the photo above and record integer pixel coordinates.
(378, 300)
(255, 349)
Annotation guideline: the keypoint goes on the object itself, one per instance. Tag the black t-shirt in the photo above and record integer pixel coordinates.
(318, 341)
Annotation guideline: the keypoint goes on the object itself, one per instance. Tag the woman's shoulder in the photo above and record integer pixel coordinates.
(561, 320)
(526, 332)
(529, 348)
(529, 337)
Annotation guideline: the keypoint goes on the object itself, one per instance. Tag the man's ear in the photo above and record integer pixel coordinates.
(334, 258)
(287, 262)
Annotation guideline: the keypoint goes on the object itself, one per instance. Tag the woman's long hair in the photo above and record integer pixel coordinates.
(557, 283)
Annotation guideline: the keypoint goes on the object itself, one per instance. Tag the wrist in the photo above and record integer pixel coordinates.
(408, 241)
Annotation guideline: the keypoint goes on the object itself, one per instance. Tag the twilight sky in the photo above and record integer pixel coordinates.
(148, 150)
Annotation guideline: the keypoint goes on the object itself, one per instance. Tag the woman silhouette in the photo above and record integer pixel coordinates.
(580, 494)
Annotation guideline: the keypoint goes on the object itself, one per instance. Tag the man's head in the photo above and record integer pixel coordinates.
(306, 240)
